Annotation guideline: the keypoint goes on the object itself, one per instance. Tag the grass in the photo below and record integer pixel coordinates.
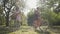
(20, 32)
(23, 30)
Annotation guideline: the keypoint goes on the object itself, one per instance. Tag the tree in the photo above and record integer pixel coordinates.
(50, 11)
(9, 6)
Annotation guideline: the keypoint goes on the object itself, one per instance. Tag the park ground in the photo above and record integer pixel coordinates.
(28, 30)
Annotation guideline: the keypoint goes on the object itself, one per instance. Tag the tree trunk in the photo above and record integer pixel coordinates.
(7, 19)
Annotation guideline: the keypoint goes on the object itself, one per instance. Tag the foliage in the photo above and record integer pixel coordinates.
(50, 11)
(30, 17)
(23, 19)
(2, 18)
(8, 6)
(52, 17)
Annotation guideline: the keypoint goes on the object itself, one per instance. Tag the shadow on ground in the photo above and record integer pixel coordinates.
(6, 30)
(42, 32)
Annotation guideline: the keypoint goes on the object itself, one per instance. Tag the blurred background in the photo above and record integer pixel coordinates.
(29, 16)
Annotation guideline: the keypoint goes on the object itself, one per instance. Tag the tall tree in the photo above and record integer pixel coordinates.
(9, 6)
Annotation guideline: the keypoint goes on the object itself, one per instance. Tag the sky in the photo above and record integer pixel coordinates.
(29, 5)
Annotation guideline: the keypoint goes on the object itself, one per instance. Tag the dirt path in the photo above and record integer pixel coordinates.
(25, 30)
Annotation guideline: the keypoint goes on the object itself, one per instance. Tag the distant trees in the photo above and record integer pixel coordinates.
(30, 17)
(50, 11)
(34, 16)
(23, 20)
